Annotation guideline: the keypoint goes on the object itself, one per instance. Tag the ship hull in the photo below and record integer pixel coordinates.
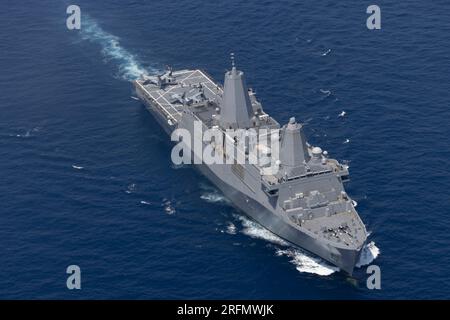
(345, 259)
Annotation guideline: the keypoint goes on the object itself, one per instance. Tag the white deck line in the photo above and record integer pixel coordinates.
(165, 92)
(170, 115)
(170, 105)
(182, 81)
(205, 86)
(193, 78)
(164, 108)
(181, 72)
(212, 82)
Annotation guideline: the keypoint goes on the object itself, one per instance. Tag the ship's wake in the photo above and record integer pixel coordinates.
(303, 261)
(129, 68)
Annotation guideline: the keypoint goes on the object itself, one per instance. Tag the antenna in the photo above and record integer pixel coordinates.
(232, 59)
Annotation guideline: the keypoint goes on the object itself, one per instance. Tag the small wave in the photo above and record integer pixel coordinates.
(27, 134)
(145, 202)
(127, 63)
(77, 167)
(168, 208)
(213, 197)
(326, 53)
(131, 188)
(346, 141)
(134, 98)
(369, 253)
(326, 92)
(342, 114)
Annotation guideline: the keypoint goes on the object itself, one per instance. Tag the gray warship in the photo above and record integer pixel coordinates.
(304, 202)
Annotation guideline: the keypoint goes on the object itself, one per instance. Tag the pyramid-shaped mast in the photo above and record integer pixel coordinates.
(236, 108)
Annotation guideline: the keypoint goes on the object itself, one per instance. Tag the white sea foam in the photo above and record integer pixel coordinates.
(231, 228)
(145, 202)
(255, 230)
(134, 98)
(306, 263)
(129, 66)
(131, 188)
(168, 208)
(326, 92)
(213, 197)
(211, 194)
(77, 167)
(369, 253)
(346, 141)
(28, 133)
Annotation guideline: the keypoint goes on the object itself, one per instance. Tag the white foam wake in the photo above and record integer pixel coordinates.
(231, 228)
(369, 253)
(131, 188)
(213, 197)
(129, 67)
(168, 207)
(305, 263)
(211, 194)
(27, 134)
(301, 259)
(255, 230)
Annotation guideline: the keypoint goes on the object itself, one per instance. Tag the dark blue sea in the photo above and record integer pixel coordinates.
(86, 176)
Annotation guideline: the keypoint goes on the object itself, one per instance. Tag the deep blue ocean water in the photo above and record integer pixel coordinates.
(85, 171)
